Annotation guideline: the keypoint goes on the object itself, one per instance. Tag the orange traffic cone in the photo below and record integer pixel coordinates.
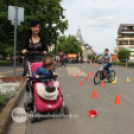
(81, 83)
(117, 100)
(133, 73)
(86, 79)
(77, 75)
(102, 84)
(93, 72)
(94, 94)
(80, 71)
(88, 74)
(71, 74)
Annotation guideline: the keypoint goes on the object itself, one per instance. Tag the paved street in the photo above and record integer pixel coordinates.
(110, 119)
(8, 70)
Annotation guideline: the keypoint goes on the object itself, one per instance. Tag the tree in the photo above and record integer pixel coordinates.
(90, 56)
(68, 45)
(10, 51)
(48, 12)
(123, 54)
(98, 56)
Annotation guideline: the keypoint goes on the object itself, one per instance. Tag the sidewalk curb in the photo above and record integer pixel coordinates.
(5, 116)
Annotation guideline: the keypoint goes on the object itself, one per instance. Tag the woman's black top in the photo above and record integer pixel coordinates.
(30, 46)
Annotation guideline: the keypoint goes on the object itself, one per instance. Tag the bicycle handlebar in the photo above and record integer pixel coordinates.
(41, 77)
(102, 62)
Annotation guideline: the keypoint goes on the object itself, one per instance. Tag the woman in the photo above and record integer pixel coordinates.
(34, 41)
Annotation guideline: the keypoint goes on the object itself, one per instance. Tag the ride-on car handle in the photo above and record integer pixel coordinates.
(42, 77)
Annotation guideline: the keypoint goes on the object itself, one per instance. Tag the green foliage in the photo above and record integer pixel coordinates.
(8, 90)
(50, 53)
(123, 54)
(6, 62)
(1, 99)
(68, 45)
(90, 56)
(130, 64)
(10, 51)
(48, 12)
(98, 56)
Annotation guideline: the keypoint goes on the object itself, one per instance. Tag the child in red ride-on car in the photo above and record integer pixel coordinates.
(46, 70)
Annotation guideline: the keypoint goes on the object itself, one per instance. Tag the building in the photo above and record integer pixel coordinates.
(125, 38)
(50, 48)
(87, 50)
(79, 36)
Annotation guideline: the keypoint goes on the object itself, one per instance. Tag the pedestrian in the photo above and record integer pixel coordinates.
(57, 59)
(62, 58)
(34, 41)
(81, 59)
(74, 60)
(77, 59)
(88, 61)
(93, 60)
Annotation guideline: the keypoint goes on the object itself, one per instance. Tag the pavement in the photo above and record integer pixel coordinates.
(8, 70)
(111, 118)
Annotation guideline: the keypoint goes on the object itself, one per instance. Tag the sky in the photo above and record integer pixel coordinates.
(98, 20)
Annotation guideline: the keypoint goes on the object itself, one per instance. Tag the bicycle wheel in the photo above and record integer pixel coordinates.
(111, 78)
(97, 77)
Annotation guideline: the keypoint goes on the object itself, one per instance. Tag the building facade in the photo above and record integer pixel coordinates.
(87, 50)
(125, 38)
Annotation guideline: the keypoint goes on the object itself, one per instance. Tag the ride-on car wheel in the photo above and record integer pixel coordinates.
(66, 110)
(26, 107)
(61, 114)
(39, 116)
(33, 117)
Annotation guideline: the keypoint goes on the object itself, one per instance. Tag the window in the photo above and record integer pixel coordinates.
(132, 49)
(133, 43)
(126, 48)
(125, 28)
(120, 48)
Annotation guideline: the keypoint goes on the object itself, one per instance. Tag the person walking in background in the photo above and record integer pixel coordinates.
(81, 60)
(57, 59)
(77, 59)
(74, 60)
(93, 60)
(88, 61)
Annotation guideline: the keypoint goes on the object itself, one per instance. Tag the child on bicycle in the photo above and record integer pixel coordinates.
(108, 59)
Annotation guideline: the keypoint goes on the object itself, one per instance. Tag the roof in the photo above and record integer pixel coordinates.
(120, 30)
(72, 55)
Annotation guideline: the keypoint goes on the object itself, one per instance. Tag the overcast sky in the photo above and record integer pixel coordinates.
(98, 20)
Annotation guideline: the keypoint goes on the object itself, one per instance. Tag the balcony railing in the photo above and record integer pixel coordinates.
(125, 44)
(126, 37)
